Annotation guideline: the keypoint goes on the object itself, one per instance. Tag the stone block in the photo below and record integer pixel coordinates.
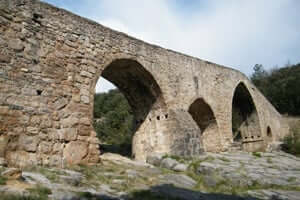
(86, 74)
(28, 143)
(68, 134)
(45, 147)
(16, 44)
(32, 130)
(85, 99)
(75, 151)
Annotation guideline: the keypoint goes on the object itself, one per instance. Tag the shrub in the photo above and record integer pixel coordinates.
(256, 154)
(19, 197)
(39, 192)
(2, 180)
(291, 144)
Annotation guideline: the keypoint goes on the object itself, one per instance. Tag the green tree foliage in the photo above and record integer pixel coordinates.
(114, 122)
(280, 86)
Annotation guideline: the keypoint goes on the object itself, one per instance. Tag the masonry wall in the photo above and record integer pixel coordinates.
(50, 61)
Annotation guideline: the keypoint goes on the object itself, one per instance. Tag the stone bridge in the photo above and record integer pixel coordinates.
(51, 59)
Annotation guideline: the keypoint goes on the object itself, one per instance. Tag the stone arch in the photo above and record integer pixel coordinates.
(204, 117)
(143, 95)
(269, 134)
(245, 120)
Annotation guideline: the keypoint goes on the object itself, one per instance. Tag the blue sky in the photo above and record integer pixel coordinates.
(235, 33)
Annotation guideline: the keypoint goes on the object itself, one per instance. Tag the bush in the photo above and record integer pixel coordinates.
(256, 154)
(39, 192)
(291, 144)
(2, 180)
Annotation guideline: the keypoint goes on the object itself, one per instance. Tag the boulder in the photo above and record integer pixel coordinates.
(118, 159)
(180, 167)
(168, 163)
(206, 168)
(179, 180)
(154, 159)
(12, 173)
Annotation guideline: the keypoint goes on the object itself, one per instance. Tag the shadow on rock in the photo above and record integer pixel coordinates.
(167, 192)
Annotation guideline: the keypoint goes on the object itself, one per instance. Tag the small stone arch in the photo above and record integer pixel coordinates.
(245, 119)
(204, 117)
(269, 134)
(144, 96)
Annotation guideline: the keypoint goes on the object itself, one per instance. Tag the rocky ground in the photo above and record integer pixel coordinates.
(211, 176)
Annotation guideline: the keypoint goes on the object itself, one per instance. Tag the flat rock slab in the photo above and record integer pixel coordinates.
(179, 180)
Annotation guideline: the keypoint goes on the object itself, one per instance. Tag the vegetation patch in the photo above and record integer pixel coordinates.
(2, 180)
(179, 159)
(39, 192)
(51, 174)
(20, 197)
(256, 154)
(280, 86)
(291, 143)
(224, 159)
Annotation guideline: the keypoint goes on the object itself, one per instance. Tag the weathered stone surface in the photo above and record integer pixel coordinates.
(168, 163)
(118, 159)
(3, 145)
(68, 134)
(180, 167)
(179, 180)
(3, 162)
(16, 44)
(28, 143)
(4, 58)
(112, 180)
(175, 97)
(12, 173)
(45, 147)
(75, 151)
(154, 159)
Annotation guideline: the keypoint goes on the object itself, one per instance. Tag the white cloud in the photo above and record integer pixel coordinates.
(103, 85)
(235, 33)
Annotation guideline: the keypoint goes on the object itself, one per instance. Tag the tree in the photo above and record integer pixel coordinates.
(114, 122)
(280, 86)
(259, 77)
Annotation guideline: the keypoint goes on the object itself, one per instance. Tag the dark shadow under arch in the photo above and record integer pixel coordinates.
(203, 115)
(137, 84)
(245, 120)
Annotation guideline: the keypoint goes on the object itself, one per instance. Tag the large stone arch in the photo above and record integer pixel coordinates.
(246, 129)
(145, 98)
(204, 117)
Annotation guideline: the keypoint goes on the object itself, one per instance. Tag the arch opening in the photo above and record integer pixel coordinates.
(204, 117)
(137, 95)
(245, 120)
(269, 132)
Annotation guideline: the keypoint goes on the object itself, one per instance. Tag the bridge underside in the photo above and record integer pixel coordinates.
(50, 61)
